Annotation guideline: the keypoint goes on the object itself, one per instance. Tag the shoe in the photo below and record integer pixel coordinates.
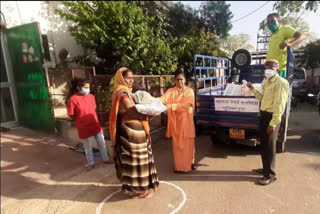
(259, 171)
(90, 167)
(267, 181)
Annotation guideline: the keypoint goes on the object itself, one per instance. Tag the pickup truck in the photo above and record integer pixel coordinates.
(232, 118)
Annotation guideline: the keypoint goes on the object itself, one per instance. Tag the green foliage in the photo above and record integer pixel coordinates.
(120, 34)
(216, 17)
(213, 16)
(311, 54)
(147, 36)
(183, 20)
(234, 42)
(285, 8)
(199, 42)
(195, 32)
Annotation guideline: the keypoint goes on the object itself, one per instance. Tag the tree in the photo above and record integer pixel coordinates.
(121, 34)
(216, 17)
(235, 42)
(312, 57)
(183, 20)
(159, 11)
(199, 42)
(286, 8)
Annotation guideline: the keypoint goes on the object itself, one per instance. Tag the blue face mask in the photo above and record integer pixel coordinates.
(85, 91)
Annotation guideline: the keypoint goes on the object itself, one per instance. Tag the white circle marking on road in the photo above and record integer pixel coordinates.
(184, 196)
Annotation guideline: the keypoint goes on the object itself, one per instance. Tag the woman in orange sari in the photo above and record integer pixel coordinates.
(180, 103)
(131, 141)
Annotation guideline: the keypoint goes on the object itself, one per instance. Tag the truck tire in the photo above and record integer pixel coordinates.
(241, 59)
(218, 137)
(215, 139)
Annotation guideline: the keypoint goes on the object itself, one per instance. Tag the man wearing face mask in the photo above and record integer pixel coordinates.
(279, 41)
(273, 102)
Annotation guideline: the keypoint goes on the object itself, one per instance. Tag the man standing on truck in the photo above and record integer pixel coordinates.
(279, 41)
(273, 103)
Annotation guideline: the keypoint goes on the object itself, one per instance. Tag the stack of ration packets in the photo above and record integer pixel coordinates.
(241, 90)
(148, 105)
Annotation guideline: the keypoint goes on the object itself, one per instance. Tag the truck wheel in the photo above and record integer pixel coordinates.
(215, 139)
(218, 137)
(241, 59)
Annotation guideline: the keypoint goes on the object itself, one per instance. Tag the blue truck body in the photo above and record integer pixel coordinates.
(209, 86)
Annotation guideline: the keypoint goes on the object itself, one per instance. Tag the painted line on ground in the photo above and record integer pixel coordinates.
(184, 198)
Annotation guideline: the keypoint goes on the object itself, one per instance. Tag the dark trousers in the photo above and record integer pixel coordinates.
(268, 145)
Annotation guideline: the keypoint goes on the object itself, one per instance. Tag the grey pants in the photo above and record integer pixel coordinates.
(87, 144)
(268, 145)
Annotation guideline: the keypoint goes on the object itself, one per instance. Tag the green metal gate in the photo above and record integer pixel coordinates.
(34, 108)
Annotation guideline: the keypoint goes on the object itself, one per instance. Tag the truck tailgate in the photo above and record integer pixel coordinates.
(206, 112)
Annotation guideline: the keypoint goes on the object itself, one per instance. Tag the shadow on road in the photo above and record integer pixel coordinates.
(303, 141)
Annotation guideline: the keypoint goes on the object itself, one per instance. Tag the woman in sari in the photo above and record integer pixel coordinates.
(129, 132)
(180, 103)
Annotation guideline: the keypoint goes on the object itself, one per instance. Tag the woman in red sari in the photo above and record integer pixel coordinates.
(180, 103)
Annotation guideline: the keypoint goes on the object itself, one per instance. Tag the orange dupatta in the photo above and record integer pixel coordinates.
(119, 86)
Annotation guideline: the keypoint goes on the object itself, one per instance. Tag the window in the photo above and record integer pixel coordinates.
(45, 44)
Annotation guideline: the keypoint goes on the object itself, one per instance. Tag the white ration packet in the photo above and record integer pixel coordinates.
(152, 109)
(232, 90)
(143, 97)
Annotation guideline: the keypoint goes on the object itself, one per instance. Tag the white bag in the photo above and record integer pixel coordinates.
(143, 97)
(245, 90)
(152, 109)
(147, 105)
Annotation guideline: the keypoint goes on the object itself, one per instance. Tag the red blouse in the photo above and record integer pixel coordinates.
(83, 108)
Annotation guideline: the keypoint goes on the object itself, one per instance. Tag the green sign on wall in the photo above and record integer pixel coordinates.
(25, 49)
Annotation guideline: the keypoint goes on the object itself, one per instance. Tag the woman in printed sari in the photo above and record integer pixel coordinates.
(129, 132)
(180, 103)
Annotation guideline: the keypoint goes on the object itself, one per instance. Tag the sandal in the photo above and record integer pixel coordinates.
(266, 181)
(147, 195)
(194, 166)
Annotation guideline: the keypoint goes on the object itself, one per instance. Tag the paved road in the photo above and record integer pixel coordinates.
(40, 175)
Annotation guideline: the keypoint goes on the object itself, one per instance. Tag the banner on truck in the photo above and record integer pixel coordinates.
(236, 104)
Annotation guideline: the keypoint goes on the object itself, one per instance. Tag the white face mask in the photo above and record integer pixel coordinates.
(269, 73)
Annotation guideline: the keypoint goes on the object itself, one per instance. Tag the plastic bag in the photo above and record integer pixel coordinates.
(152, 109)
(143, 97)
(147, 105)
(245, 90)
